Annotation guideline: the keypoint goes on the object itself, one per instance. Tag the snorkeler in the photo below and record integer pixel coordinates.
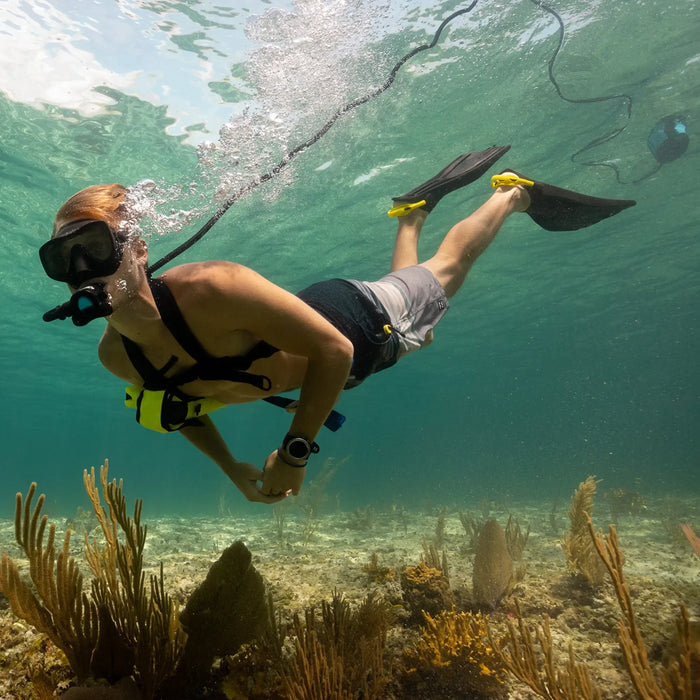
(205, 335)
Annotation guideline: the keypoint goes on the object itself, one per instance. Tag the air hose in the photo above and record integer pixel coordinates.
(667, 141)
(275, 170)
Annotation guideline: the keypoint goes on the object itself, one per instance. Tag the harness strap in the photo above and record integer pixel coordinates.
(230, 368)
(208, 366)
(153, 378)
(174, 320)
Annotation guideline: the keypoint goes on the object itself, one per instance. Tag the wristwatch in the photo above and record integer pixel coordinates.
(295, 450)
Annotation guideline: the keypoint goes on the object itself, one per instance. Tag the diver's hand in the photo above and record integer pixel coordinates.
(246, 476)
(280, 478)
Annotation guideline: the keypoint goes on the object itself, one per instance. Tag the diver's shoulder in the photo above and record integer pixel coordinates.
(212, 277)
(204, 272)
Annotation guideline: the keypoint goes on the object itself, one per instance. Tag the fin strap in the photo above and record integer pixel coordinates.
(405, 208)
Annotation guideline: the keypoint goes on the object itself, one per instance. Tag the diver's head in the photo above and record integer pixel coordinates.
(103, 202)
(89, 242)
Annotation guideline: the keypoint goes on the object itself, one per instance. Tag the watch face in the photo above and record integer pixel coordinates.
(298, 448)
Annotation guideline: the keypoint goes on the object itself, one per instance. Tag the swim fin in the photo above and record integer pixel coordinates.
(557, 209)
(458, 173)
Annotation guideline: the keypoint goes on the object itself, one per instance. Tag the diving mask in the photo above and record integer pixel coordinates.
(82, 250)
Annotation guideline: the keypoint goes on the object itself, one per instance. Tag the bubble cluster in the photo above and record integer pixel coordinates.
(308, 63)
(152, 208)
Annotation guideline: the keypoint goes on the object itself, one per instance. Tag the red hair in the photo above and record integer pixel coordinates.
(100, 202)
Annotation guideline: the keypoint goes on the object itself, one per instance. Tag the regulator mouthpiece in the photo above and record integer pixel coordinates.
(88, 303)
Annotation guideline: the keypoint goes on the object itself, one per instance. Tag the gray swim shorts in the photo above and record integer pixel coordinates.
(414, 301)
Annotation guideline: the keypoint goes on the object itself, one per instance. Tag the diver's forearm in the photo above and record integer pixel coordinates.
(320, 391)
(207, 439)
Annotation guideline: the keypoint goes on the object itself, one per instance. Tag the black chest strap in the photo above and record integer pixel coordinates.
(153, 378)
(208, 367)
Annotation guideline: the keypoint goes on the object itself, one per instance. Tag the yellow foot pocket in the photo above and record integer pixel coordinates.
(405, 208)
(510, 180)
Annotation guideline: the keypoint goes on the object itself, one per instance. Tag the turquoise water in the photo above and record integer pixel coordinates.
(565, 354)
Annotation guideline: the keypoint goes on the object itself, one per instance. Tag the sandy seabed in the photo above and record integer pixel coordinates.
(304, 561)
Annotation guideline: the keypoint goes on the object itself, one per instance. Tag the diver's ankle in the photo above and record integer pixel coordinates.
(415, 217)
(519, 196)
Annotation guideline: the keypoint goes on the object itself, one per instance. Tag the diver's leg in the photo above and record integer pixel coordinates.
(468, 239)
(406, 245)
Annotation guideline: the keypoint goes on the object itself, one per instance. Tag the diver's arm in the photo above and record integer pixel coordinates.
(270, 313)
(227, 298)
(207, 439)
(325, 377)
(289, 324)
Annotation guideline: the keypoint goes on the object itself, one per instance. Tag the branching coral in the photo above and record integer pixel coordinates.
(472, 527)
(318, 672)
(123, 627)
(342, 654)
(145, 619)
(692, 538)
(434, 560)
(674, 683)
(539, 670)
(516, 539)
(580, 552)
(455, 657)
(58, 608)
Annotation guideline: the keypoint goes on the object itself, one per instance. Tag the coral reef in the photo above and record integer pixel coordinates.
(342, 655)
(435, 560)
(563, 629)
(493, 575)
(377, 573)
(674, 682)
(539, 670)
(454, 658)
(554, 681)
(578, 547)
(425, 589)
(122, 628)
